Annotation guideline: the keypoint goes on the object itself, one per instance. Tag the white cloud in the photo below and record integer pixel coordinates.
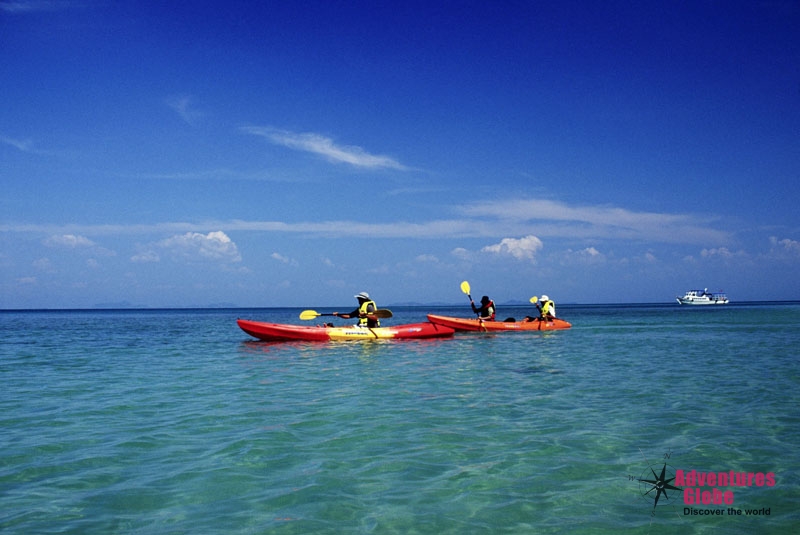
(76, 242)
(70, 241)
(460, 252)
(381, 269)
(720, 252)
(324, 146)
(44, 264)
(427, 258)
(520, 248)
(586, 256)
(195, 246)
(145, 257)
(589, 254)
(284, 259)
(591, 251)
(785, 245)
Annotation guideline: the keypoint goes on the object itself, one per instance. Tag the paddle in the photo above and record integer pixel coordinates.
(533, 300)
(465, 288)
(381, 313)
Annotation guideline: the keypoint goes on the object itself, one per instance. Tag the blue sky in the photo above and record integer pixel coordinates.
(296, 153)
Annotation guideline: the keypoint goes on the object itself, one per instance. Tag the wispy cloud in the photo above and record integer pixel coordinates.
(284, 259)
(513, 220)
(44, 264)
(27, 146)
(76, 242)
(427, 259)
(24, 145)
(325, 147)
(182, 105)
(220, 173)
(557, 219)
(33, 6)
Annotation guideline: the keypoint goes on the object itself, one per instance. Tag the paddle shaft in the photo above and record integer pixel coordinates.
(381, 313)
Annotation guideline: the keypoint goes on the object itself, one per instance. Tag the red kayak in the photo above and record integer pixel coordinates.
(473, 324)
(282, 332)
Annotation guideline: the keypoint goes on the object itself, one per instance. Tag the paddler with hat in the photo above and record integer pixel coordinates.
(547, 308)
(364, 312)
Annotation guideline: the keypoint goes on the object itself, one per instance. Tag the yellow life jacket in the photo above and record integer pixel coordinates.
(363, 311)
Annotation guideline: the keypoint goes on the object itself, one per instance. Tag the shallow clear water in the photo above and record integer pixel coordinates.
(178, 422)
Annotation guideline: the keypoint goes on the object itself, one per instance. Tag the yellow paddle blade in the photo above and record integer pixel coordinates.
(465, 287)
(534, 299)
(309, 314)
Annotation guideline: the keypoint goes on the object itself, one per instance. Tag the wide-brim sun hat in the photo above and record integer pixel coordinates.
(363, 295)
(545, 298)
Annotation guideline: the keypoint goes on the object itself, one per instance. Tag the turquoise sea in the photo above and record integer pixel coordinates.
(175, 421)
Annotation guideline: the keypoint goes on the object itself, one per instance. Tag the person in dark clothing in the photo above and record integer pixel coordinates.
(486, 311)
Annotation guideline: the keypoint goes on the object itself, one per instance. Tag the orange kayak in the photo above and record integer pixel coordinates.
(473, 324)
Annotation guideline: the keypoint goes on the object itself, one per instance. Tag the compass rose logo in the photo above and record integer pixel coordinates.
(659, 485)
(655, 484)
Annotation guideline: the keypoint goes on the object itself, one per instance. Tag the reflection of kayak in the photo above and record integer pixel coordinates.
(473, 324)
(278, 331)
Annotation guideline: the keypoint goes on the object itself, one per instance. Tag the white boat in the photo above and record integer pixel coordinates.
(697, 297)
